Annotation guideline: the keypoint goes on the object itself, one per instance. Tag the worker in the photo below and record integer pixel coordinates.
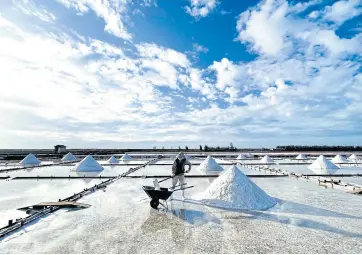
(178, 171)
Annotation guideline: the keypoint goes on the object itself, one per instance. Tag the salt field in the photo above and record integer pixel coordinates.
(303, 211)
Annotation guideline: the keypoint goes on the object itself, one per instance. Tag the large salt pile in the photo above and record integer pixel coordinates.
(339, 159)
(233, 190)
(241, 156)
(30, 159)
(69, 157)
(301, 157)
(113, 160)
(209, 165)
(267, 160)
(126, 157)
(88, 164)
(323, 166)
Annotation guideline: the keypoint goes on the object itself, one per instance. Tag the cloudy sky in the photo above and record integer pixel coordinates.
(144, 73)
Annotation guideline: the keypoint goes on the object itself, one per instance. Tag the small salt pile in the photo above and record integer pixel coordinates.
(88, 164)
(339, 159)
(126, 157)
(234, 190)
(30, 159)
(353, 157)
(323, 166)
(69, 157)
(301, 156)
(241, 156)
(267, 160)
(209, 165)
(113, 160)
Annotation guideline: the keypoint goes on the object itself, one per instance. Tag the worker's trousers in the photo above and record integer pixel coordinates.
(181, 179)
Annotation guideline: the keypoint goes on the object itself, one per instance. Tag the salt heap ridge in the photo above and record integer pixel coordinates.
(88, 164)
(209, 165)
(69, 157)
(339, 159)
(30, 159)
(234, 190)
(113, 160)
(323, 166)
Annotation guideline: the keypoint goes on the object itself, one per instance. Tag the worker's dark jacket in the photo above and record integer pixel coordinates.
(178, 166)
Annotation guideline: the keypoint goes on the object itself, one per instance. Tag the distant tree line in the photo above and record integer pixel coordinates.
(318, 148)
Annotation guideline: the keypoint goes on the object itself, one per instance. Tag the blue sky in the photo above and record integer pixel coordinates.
(144, 73)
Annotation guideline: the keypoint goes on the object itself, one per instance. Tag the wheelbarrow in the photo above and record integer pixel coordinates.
(157, 193)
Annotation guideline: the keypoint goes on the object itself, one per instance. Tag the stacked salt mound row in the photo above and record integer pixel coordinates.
(113, 160)
(209, 165)
(88, 164)
(233, 190)
(30, 159)
(301, 156)
(267, 160)
(339, 159)
(241, 156)
(126, 157)
(69, 157)
(323, 166)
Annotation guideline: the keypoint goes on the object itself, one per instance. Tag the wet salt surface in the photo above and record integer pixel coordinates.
(307, 219)
(21, 193)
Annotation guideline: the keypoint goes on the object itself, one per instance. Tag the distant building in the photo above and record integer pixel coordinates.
(60, 148)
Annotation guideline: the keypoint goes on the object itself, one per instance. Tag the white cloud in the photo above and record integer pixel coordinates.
(266, 27)
(28, 7)
(168, 55)
(272, 29)
(112, 12)
(201, 8)
(199, 48)
(342, 11)
(227, 73)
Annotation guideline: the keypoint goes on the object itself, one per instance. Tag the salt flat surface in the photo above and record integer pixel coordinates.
(307, 219)
(66, 170)
(21, 193)
(355, 180)
(303, 169)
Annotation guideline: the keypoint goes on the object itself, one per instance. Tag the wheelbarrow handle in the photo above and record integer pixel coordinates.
(165, 179)
(183, 188)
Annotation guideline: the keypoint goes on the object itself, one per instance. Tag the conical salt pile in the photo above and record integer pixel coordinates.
(209, 165)
(323, 166)
(30, 159)
(301, 156)
(88, 164)
(126, 157)
(69, 157)
(267, 160)
(233, 190)
(241, 156)
(339, 159)
(353, 157)
(112, 160)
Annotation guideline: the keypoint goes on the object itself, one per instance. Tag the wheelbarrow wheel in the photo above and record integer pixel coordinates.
(154, 203)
